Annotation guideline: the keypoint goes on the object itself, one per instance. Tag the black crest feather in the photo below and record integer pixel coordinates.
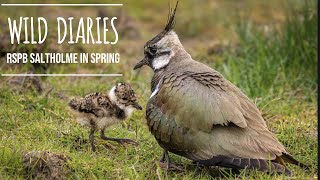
(171, 18)
(168, 28)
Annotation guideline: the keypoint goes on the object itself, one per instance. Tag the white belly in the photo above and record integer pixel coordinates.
(100, 123)
(85, 119)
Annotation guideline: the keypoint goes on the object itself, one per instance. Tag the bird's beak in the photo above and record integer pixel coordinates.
(137, 106)
(144, 61)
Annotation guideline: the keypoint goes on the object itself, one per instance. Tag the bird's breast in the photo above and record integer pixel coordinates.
(166, 131)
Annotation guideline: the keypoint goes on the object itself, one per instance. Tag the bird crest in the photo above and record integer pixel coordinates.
(171, 18)
(169, 26)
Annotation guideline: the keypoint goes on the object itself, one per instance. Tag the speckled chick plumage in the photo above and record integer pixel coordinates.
(99, 111)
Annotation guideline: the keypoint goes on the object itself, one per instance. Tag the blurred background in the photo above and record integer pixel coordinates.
(267, 48)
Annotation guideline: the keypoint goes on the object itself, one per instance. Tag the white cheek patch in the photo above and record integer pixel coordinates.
(112, 95)
(160, 61)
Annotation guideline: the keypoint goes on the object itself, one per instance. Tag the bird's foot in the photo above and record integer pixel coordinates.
(109, 146)
(198, 165)
(127, 141)
(171, 166)
(121, 141)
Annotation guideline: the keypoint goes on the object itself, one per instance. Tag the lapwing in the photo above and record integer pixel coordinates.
(196, 113)
(99, 111)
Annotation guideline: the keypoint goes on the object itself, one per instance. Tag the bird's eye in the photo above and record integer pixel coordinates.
(151, 51)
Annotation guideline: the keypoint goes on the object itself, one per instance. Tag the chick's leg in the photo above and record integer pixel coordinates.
(91, 138)
(121, 141)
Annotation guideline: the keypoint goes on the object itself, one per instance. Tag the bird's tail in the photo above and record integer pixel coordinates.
(75, 103)
(289, 159)
(247, 163)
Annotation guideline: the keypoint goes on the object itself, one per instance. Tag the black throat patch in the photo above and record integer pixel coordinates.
(120, 113)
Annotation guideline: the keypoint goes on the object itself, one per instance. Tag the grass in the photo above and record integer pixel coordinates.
(273, 63)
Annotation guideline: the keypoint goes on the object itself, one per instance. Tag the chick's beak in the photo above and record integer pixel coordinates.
(137, 106)
(144, 61)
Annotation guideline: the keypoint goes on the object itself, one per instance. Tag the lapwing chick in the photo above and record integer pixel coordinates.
(99, 111)
(196, 113)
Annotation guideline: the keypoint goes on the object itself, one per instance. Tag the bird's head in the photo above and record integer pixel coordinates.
(124, 96)
(160, 50)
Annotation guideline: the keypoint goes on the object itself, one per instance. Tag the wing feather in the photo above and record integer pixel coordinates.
(187, 97)
(211, 117)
